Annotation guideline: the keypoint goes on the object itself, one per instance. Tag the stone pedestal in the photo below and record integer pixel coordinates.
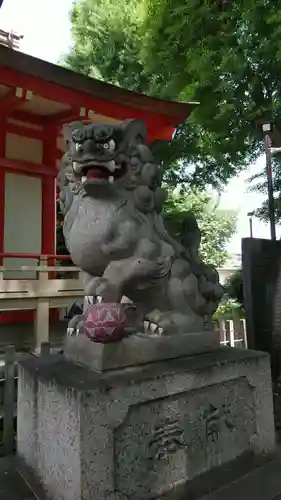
(143, 432)
(138, 349)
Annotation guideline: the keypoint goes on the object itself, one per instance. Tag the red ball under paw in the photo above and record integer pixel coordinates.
(105, 322)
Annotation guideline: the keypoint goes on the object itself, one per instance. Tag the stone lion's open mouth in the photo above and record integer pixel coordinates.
(97, 173)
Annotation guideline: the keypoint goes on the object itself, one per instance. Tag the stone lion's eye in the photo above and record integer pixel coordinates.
(106, 145)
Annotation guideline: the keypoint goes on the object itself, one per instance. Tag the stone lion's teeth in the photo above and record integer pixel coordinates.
(111, 179)
(84, 178)
(112, 145)
(146, 326)
(75, 166)
(111, 165)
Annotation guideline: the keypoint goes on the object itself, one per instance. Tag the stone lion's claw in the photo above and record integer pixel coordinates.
(88, 300)
(153, 327)
(70, 332)
(146, 326)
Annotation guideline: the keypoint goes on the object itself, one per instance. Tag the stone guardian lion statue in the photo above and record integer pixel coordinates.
(111, 198)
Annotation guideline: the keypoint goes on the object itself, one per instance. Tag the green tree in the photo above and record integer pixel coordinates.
(224, 54)
(233, 49)
(174, 50)
(234, 287)
(216, 226)
(258, 182)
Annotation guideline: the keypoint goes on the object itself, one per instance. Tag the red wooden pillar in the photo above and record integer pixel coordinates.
(49, 192)
(48, 245)
(2, 185)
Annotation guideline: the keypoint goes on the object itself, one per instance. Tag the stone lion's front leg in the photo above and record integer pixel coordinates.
(169, 322)
(121, 274)
(133, 277)
(101, 289)
(126, 274)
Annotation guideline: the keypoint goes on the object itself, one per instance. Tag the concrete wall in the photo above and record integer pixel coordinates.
(23, 213)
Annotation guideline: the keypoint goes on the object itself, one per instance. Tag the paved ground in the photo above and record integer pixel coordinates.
(12, 486)
(263, 483)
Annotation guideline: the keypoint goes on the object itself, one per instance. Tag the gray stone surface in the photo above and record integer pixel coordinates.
(143, 432)
(111, 198)
(12, 485)
(137, 349)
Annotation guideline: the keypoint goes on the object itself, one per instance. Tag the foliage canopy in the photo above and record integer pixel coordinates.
(226, 55)
(216, 226)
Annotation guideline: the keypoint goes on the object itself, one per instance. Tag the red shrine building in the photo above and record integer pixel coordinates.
(36, 99)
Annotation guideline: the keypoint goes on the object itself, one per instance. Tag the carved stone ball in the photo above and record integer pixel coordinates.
(105, 322)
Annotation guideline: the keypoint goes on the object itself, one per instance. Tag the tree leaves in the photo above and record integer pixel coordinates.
(216, 226)
(227, 55)
(152, 47)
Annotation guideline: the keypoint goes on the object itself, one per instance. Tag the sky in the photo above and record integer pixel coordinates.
(45, 25)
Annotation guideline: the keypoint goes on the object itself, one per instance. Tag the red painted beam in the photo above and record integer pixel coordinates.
(77, 99)
(23, 116)
(162, 134)
(155, 131)
(7, 101)
(11, 101)
(34, 169)
(63, 117)
(22, 131)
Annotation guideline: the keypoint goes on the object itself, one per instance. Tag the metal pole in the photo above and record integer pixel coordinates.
(251, 227)
(267, 144)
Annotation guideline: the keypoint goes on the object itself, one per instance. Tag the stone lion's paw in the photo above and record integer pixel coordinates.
(153, 329)
(75, 326)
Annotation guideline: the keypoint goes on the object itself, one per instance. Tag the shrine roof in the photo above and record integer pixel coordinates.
(51, 94)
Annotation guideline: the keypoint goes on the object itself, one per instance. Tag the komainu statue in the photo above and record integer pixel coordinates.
(111, 198)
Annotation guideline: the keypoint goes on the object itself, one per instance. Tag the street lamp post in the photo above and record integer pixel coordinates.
(269, 152)
(250, 215)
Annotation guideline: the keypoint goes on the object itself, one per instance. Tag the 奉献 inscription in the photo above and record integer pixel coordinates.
(167, 438)
(173, 439)
(215, 418)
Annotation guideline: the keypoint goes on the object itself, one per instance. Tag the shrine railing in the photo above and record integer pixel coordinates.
(56, 287)
(232, 331)
(49, 288)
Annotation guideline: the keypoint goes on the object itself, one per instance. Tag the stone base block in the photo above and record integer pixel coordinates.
(137, 349)
(145, 432)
